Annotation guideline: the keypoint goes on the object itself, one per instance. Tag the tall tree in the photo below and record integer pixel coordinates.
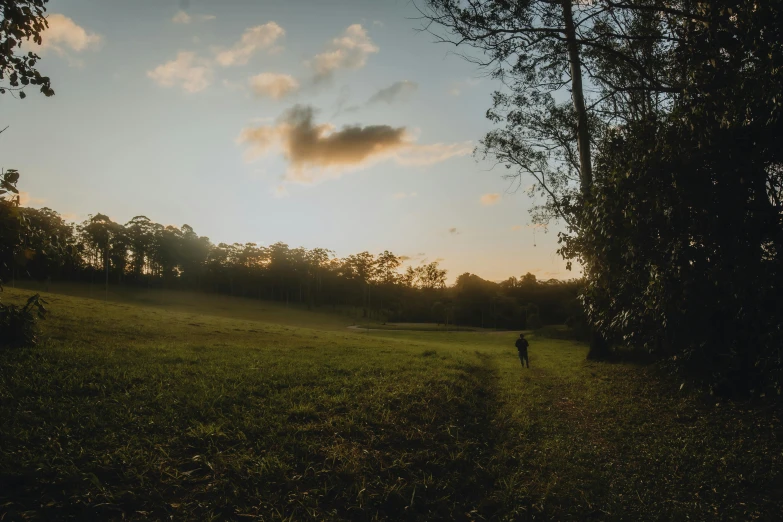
(605, 54)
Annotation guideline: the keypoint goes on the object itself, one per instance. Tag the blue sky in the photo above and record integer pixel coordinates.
(230, 116)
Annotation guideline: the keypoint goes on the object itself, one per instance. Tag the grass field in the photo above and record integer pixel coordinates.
(193, 408)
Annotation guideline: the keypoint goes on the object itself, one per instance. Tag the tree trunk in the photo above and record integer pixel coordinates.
(577, 95)
(599, 347)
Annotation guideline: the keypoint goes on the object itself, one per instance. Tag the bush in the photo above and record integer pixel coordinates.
(533, 322)
(18, 323)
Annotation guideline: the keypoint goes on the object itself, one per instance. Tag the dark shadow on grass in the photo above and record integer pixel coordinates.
(450, 474)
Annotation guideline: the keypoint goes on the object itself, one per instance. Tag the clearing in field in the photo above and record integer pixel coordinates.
(245, 410)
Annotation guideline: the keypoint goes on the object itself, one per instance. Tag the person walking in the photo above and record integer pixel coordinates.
(522, 345)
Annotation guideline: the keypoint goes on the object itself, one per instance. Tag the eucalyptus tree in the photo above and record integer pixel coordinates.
(141, 237)
(614, 59)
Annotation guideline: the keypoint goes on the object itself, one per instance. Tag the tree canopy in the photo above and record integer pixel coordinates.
(676, 215)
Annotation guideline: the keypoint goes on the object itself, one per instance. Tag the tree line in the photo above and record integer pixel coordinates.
(141, 253)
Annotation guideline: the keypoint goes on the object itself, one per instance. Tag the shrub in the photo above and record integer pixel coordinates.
(533, 322)
(18, 323)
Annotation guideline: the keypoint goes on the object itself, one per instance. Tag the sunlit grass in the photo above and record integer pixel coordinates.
(197, 409)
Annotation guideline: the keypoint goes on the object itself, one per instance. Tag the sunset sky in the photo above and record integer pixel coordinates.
(320, 124)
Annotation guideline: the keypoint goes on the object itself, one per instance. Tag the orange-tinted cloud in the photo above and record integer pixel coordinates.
(320, 151)
(273, 85)
(490, 199)
(65, 37)
(25, 200)
(186, 70)
(348, 51)
(254, 39)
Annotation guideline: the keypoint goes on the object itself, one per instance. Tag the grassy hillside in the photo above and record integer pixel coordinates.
(226, 409)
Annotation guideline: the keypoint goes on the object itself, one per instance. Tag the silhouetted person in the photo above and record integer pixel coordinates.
(522, 345)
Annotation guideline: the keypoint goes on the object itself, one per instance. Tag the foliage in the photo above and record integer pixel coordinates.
(23, 21)
(686, 231)
(18, 323)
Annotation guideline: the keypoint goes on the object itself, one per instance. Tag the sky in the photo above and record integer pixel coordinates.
(319, 124)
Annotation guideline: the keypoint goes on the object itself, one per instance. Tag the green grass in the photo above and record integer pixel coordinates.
(417, 327)
(147, 413)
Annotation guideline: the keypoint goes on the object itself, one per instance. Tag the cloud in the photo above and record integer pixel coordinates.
(71, 216)
(306, 145)
(315, 152)
(403, 195)
(458, 87)
(281, 192)
(423, 155)
(258, 38)
(187, 71)
(273, 85)
(516, 227)
(348, 51)
(25, 200)
(181, 17)
(64, 36)
(490, 199)
(398, 91)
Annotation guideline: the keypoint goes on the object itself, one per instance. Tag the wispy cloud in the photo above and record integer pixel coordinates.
(187, 70)
(423, 155)
(258, 38)
(398, 91)
(26, 200)
(315, 152)
(404, 195)
(273, 85)
(490, 199)
(281, 191)
(457, 88)
(182, 17)
(348, 51)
